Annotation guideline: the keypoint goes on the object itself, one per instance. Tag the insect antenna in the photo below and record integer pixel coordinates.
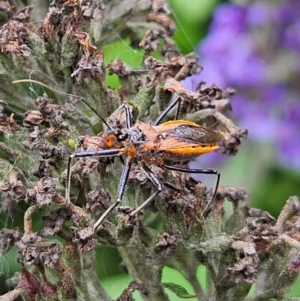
(63, 93)
(101, 118)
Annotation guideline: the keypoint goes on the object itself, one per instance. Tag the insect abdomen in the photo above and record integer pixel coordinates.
(188, 153)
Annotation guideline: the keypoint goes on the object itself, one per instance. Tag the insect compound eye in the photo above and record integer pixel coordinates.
(121, 136)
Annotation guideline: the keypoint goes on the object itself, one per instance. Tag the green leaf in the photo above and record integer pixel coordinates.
(177, 289)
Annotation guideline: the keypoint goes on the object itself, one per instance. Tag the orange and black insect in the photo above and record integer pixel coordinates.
(177, 140)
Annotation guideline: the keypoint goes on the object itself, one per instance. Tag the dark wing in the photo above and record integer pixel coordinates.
(196, 134)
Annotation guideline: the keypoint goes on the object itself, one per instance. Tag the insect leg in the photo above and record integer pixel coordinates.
(175, 99)
(200, 171)
(99, 153)
(124, 177)
(121, 189)
(129, 122)
(156, 182)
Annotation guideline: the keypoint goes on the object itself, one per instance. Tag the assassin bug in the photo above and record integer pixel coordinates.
(177, 140)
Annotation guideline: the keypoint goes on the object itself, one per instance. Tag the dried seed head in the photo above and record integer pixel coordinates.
(28, 249)
(166, 244)
(232, 194)
(12, 190)
(127, 220)
(98, 200)
(8, 237)
(245, 270)
(83, 238)
(43, 193)
(33, 118)
(51, 257)
(54, 222)
(7, 123)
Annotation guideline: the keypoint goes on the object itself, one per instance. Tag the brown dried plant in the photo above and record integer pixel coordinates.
(57, 255)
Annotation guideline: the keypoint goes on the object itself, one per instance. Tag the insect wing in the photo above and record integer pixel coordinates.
(188, 132)
(184, 140)
(197, 134)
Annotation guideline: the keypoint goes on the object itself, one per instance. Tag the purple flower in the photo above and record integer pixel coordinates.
(255, 49)
(229, 17)
(292, 36)
(258, 14)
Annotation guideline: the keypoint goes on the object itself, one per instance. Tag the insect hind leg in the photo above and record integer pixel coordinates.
(200, 171)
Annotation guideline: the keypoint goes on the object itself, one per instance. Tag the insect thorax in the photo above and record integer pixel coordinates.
(136, 135)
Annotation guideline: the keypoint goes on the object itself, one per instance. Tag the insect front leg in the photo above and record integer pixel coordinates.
(98, 153)
(157, 184)
(174, 101)
(200, 171)
(121, 189)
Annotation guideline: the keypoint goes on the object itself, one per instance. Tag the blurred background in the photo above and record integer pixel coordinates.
(253, 47)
